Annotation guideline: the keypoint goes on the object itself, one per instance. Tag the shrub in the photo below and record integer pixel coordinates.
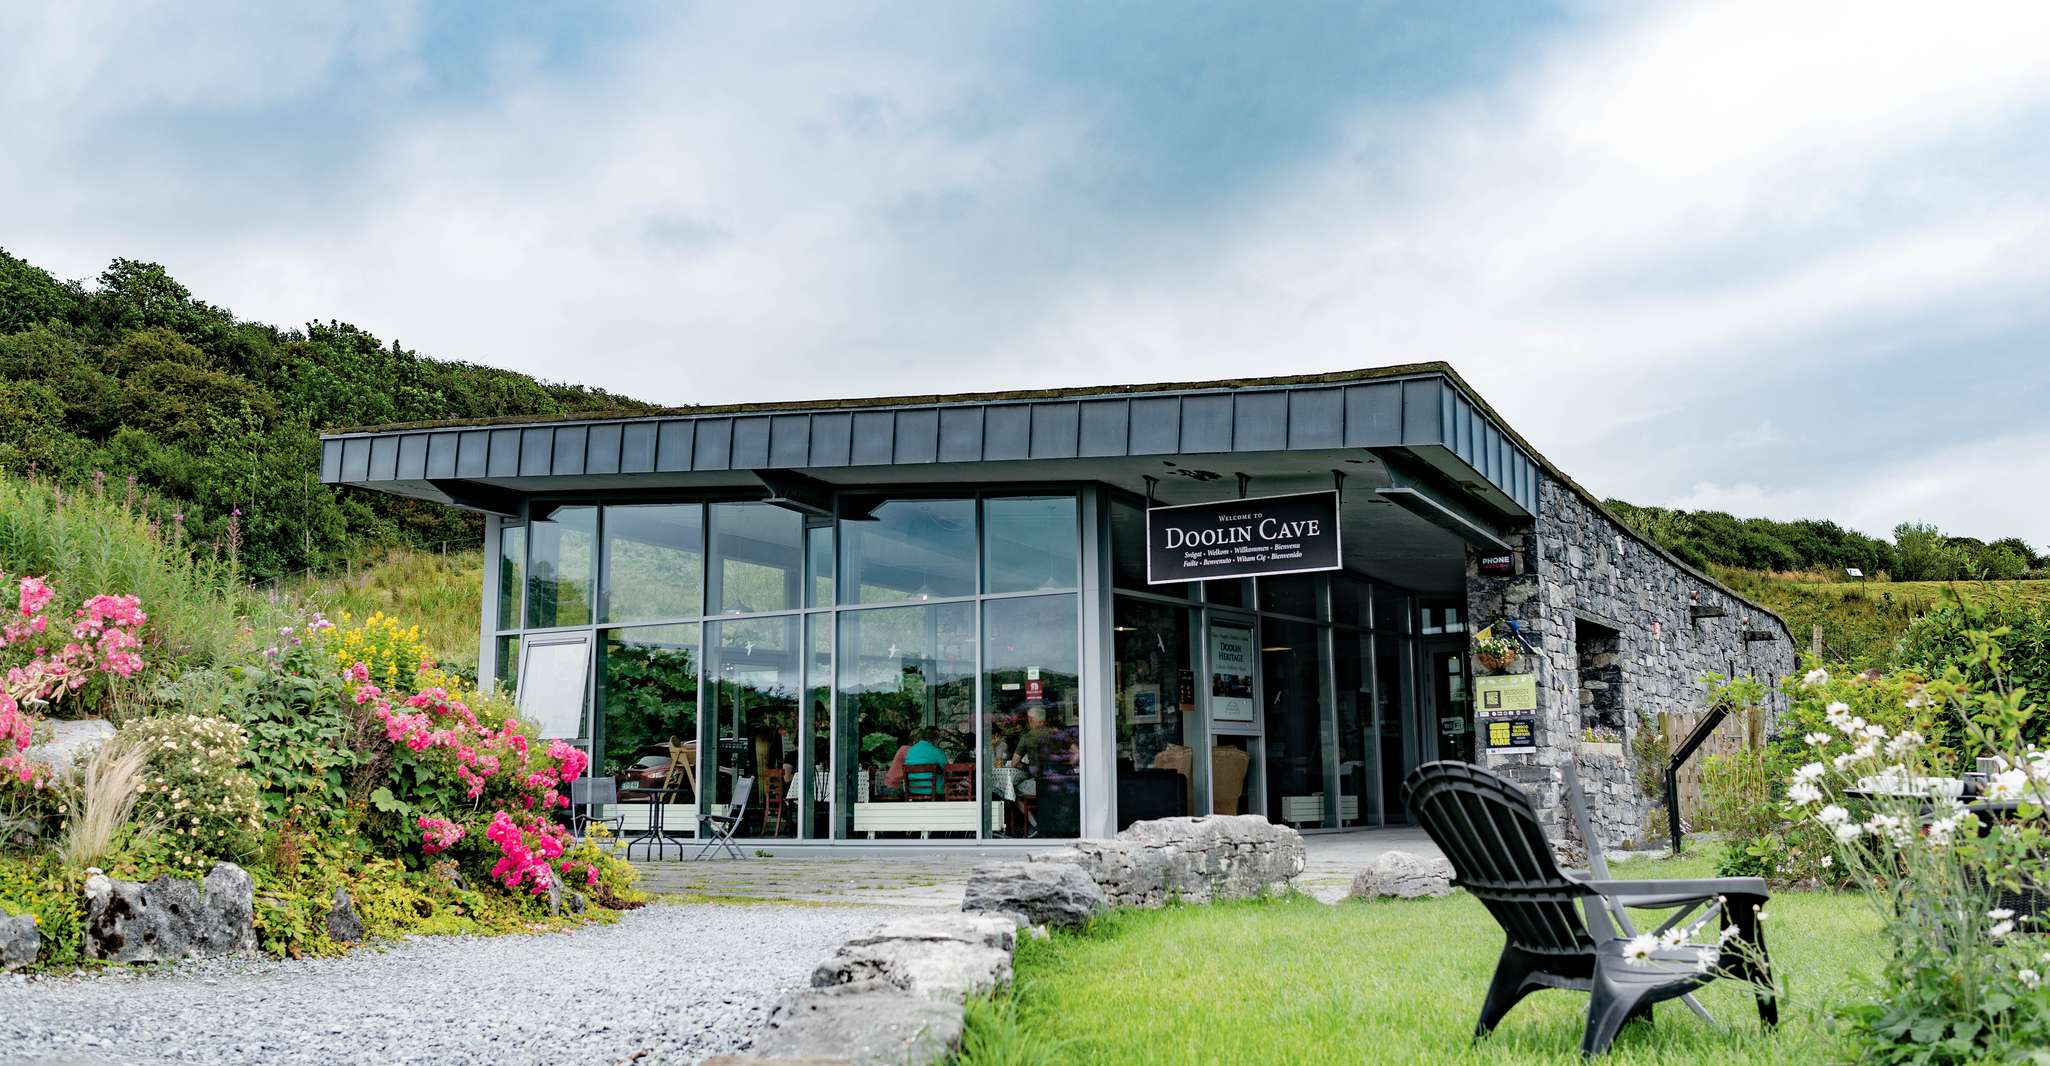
(1959, 985)
(2019, 636)
(40, 886)
(197, 803)
(391, 652)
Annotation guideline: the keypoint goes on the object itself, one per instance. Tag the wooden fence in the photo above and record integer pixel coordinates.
(1740, 731)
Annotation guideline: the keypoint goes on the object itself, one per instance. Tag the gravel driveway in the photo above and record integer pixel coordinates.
(670, 983)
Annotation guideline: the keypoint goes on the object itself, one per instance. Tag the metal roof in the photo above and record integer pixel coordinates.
(1423, 409)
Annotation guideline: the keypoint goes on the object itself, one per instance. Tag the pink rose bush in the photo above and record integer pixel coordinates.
(482, 782)
(103, 640)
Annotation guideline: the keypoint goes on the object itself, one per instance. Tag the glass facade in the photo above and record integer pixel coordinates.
(911, 667)
(906, 668)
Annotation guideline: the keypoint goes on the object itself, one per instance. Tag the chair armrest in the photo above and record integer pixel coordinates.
(1703, 888)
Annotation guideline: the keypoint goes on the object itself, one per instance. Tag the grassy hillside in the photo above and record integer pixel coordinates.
(440, 593)
(1861, 620)
(133, 385)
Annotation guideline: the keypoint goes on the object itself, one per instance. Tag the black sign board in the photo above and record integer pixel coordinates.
(1261, 536)
(1498, 564)
(1508, 731)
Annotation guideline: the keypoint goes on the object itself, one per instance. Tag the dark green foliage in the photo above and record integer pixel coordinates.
(1917, 552)
(2020, 630)
(133, 376)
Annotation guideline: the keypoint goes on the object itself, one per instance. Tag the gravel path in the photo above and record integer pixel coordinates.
(670, 983)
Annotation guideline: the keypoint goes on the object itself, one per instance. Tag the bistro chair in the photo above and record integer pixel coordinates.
(588, 795)
(775, 794)
(720, 827)
(1488, 829)
(924, 781)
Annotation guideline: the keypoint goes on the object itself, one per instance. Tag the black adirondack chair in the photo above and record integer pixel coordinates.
(1489, 831)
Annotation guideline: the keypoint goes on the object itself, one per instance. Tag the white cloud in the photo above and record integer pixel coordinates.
(1624, 241)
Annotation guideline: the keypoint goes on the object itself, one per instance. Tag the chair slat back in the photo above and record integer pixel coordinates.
(1576, 801)
(923, 780)
(1490, 833)
(591, 791)
(742, 789)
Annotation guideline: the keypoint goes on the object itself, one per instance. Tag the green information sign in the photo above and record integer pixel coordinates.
(1505, 692)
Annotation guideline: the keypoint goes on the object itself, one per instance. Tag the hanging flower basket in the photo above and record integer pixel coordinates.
(1495, 653)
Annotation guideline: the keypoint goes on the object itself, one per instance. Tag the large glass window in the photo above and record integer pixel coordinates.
(893, 550)
(562, 563)
(648, 736)
(1290, 655)
(756, 686)
(1128, 552)
(1033, 716)
(1294, 594)
(1156, 706)
(816, 766)
(907, 713)
(818, 565)
(512, 575)
(1359, 753)
(1029, 543)
(654, 561)
(1393, 700)
(759, 558)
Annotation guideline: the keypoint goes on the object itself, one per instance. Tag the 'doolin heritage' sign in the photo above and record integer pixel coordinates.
(1264, 535)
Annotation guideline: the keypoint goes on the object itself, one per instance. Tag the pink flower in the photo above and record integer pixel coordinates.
(35, 595)
(358, 673)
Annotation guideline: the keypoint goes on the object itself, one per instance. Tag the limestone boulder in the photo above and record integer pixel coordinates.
(19, 941)
(1200, 859)
(870, 1023)
(170, 917)
(1043, 893)
(1403, 875)
(68, 741)
(949, 956)
(343, 924)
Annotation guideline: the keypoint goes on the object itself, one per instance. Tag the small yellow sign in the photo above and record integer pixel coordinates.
(1505, 692)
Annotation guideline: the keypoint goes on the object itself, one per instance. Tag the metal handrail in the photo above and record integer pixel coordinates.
(1681, 754)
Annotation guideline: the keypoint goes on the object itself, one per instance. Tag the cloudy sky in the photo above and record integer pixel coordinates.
(1780, 259)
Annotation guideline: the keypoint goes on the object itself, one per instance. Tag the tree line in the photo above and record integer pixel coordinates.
(1917, 552)
(216, 420)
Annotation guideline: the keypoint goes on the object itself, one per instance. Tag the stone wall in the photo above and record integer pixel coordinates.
(1575, 564)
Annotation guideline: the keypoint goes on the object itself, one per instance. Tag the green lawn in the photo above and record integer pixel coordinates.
(1296, 981)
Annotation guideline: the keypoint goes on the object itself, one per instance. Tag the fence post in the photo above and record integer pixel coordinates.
(1815, 640)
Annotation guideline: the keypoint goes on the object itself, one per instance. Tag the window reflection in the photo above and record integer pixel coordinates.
(1295, 721)
(753, 668)
(648, 690)
(907, 707)
(561, 567)
(1128, 552)
(512, 575)
(654, 561)
(817, 769)
(1156, 698)
(760, 558)
(1029, 543)
(1030, 698)
(894, 550)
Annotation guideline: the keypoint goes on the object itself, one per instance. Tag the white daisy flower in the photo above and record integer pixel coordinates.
(2029, 978)
(1810, 772)
(1640, 949)
(1832, 815)
(1817, 676)
(1816, 740)
(1804, 793)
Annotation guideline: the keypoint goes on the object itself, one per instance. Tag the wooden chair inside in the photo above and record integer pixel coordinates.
(924, 781)
(775, 792)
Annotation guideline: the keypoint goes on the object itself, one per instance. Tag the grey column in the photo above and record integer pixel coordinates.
(1099, 730)
(487, 653)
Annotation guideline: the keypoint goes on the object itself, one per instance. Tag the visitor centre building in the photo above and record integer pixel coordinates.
(1039, 615)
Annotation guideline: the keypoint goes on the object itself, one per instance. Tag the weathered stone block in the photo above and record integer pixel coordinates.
(873, 1023)
(1049, 893)
(946, 956)
(170, 918)
(1405, 876)
(19, 941)
(1200, 859)
(343, 926)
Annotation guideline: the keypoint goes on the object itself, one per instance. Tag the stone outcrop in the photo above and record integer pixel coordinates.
(946, 956)
(170, 918)
(1043, 893)
(68, 740)
(873, 1023)
(1404, 876)
(19, 941)
(343, 925)
(1198, 860)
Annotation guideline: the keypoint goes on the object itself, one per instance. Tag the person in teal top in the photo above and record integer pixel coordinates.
(924, 753)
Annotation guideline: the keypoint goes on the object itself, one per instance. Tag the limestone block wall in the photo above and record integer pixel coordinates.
(1575, 564)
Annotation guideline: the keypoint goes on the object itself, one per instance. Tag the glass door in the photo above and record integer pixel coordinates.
(1230, 660)
(1450, 700)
